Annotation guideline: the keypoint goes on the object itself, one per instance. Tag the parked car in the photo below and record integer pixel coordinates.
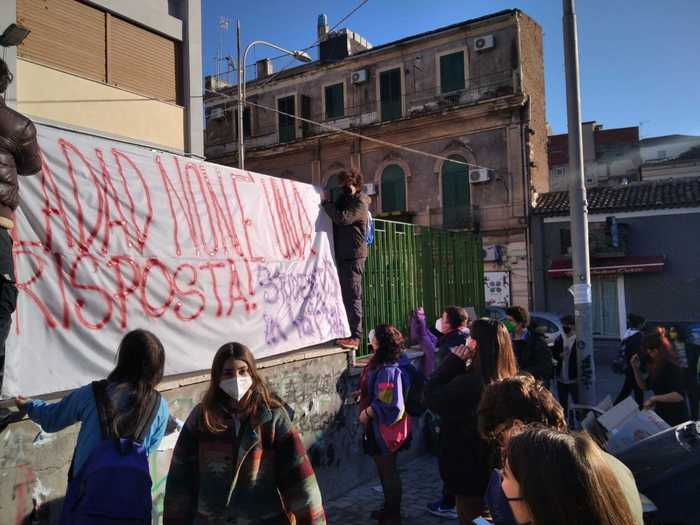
(548, 324)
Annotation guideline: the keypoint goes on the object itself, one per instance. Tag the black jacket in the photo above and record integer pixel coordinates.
(19, 153)
(448, 341)
(557, 352)
(349, 215)
(534, 356)
(453, 393)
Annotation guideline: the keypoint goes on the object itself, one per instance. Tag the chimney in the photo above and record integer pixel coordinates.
(322, 27)
(263, 68)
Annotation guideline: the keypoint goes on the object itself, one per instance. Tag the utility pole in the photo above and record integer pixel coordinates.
(578, 210)
(241, 162)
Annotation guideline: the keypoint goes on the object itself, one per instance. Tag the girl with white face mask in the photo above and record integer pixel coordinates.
(238, 458)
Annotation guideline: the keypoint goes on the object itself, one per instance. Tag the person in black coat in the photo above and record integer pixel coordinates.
(530, 348)
(631, 346)
(566, 368)
(454, 392)
(349, 214)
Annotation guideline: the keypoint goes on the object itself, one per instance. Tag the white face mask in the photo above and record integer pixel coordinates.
(236, 387)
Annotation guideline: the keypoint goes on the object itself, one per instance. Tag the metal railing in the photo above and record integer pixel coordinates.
(414, 102)
(410, 266)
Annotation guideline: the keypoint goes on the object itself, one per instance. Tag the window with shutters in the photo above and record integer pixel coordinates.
(305, 110)
(77, 38)
(455, 193)
(452, 70)
(285, 123)
(390, 94)
(247, 130)
(393, 189)
(334, 97)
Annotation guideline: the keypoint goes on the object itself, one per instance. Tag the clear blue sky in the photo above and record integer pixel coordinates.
(639, 58)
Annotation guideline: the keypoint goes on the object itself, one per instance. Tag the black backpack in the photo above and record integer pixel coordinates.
(415, 406)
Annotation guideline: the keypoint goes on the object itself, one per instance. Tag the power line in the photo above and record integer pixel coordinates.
(357, 135)
(315, 44)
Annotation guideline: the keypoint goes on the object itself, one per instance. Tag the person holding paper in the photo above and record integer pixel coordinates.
(509, 405)
(664, 377)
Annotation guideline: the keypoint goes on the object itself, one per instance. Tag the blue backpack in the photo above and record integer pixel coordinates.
(370, 229)
(114, 484)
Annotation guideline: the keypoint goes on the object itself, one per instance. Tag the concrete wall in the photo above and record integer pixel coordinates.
(114, 111)
(315, 383)
(671, 295)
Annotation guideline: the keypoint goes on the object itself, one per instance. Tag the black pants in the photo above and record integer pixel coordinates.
(350, 277)
(391, 482)
(692, 389)
(8, 292)
(564, 389)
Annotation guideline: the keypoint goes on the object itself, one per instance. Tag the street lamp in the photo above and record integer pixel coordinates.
(299, 55)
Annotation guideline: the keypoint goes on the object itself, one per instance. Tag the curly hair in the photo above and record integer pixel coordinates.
(391, 345)
(519, 397)
(350, 178)
(519, 314)
(5, 76)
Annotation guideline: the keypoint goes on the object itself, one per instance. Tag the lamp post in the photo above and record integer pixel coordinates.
(299, 55)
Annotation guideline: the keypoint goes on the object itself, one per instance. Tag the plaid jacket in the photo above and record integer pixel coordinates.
(262, 477)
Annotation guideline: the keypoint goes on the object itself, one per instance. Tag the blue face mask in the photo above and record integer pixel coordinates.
(497, 502)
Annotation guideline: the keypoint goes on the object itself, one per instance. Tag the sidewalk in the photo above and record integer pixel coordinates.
(420, 477)
(421, 485)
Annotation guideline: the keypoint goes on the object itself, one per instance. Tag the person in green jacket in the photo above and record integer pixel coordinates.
(238, 459)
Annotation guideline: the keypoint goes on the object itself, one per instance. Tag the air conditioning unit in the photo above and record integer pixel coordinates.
(479, 175)
(216, 113)
(483, 43)
(360, 76)
(370, 188)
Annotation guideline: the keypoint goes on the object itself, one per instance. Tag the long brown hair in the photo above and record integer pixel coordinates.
(390, 345)
(140, 364)
(565, 480)
(217, 405)
(657, 340)
(494, 353)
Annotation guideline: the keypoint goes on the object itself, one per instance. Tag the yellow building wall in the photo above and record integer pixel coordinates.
(47, 93)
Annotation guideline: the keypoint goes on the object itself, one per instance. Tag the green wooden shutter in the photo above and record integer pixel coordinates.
(393, 189)
(335, 101)
(455, 193)
(452, 72)
(286, 124)
(390, 94)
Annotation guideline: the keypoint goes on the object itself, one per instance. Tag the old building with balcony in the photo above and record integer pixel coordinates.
(643, 253)
(472, 92)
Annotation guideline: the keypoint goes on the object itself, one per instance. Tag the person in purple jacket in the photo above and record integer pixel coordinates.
(384, 384)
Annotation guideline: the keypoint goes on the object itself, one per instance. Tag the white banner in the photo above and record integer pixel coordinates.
(112, 237)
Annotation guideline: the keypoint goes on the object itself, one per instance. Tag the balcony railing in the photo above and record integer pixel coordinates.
(414, 103)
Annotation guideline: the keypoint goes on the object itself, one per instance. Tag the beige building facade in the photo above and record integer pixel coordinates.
(124, 70)
(472, 92)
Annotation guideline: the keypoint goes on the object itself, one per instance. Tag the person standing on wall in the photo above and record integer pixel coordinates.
(349, 214)
(19, 154)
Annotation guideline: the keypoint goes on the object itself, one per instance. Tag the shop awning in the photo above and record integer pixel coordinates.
(610, 266)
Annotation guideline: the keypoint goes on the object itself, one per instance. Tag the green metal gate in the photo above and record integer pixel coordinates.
(410, 266)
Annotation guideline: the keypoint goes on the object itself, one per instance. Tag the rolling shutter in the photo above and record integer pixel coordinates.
(64, 34)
